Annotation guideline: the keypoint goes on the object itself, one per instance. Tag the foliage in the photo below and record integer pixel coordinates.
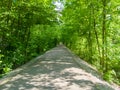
(88, 27)
(18, 22)
(91, 30)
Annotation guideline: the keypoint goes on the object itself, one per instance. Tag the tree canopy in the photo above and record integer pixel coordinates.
(90, 28)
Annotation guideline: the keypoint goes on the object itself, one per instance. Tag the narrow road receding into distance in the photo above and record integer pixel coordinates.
(57, 69)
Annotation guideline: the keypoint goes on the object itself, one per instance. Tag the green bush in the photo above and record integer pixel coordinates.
(109, 75)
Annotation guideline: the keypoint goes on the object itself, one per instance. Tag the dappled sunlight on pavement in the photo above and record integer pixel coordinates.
(55, 70)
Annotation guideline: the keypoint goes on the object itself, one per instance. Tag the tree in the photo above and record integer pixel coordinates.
(91, 21)
(17, 19)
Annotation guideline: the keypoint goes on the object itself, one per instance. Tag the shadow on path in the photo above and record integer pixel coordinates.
(55, 70)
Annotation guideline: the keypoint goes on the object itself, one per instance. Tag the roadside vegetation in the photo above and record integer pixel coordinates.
(90, 28)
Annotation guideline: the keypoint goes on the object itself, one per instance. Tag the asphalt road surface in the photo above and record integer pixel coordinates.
(57, 69)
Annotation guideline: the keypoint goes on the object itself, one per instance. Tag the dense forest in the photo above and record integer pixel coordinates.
(90, 28)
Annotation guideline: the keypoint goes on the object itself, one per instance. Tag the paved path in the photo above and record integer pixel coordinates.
(57, 69)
